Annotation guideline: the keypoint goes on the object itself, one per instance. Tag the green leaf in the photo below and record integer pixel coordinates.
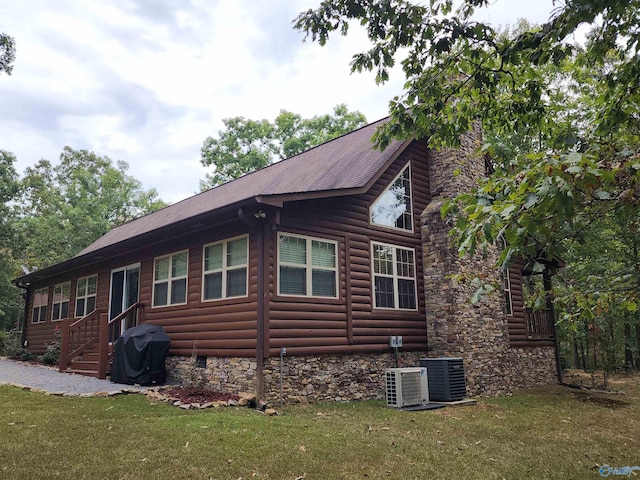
(574, 157)
(602, 195)
(530, 200)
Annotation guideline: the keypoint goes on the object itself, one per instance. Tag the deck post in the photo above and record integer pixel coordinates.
(103, 345)
(64, 345)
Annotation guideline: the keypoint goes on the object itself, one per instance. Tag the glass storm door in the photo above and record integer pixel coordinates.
(125, 285)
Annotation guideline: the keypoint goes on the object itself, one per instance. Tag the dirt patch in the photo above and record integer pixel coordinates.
(595, 379)
(604, 400)
(198, 395)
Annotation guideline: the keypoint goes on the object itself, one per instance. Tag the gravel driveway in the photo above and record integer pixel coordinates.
(39, 377)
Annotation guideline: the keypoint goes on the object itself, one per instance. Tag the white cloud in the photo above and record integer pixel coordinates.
(147, 81)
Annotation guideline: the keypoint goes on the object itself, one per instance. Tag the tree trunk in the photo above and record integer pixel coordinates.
(582, 352)
(628, 352)
(638, 345)
(636, 269)
(611, 349)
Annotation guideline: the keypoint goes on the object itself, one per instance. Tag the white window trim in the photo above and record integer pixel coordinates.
(405, 166)
(225, 269)
(53, 301)
(45, 305)
(86, 296)
(169, 281)
(506, 288)
(308, 266)
(395, 277)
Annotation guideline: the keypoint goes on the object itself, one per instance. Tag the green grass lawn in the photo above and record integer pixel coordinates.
(550, 433)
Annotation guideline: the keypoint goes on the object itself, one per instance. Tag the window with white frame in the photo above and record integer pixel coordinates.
(225, 266)
(40, 300)
(394, 207)
(307, 266)
(394, 273)
(170, 279)
(60, 305)
(86, 289)
(506, 288)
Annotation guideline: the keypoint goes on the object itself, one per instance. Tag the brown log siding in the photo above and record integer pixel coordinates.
(304, 326)
(212, 328)
(333, 326)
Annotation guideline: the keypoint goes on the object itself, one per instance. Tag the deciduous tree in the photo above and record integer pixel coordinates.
(7, 53)
(9, 242)
(248, 145)
(65, 207)
(560, 108)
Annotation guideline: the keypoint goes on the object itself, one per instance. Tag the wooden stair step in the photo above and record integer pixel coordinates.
(85, 365)
(86, 373)
(92, 357)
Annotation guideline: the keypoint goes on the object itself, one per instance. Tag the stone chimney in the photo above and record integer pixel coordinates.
(455, 327)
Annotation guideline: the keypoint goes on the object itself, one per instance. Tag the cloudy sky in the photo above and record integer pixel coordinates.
(145, 81)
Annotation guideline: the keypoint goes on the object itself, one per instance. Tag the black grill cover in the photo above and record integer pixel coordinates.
(139, 355)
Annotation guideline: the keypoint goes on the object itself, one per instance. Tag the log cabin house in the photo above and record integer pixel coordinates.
(299, 273)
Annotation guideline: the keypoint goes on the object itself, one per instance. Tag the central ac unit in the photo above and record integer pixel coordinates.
(446, 378)
(406, 387)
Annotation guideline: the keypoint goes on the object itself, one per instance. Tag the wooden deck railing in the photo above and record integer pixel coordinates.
(112, 330)
(93, 330)
(79, 336)
(540, 323)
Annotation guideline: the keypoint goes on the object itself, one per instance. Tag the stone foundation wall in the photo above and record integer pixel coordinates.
(498, 370)
(332, 378)
(307, 379)
(225, 374)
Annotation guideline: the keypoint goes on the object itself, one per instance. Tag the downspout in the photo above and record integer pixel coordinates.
(257, 224)
(260, 316)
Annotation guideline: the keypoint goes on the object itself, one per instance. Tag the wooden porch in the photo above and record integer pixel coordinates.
(540, 323)
(86, 345)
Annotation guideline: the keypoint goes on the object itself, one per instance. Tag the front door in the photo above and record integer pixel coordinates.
(125, 285)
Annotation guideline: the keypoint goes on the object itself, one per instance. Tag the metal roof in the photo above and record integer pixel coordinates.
(341, 166)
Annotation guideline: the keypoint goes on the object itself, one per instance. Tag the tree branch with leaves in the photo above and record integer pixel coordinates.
(248, 145)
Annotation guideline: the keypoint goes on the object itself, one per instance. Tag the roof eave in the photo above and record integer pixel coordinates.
(96, 256)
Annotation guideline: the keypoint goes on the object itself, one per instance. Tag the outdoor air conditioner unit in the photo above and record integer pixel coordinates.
(406, 387)
(446, 378)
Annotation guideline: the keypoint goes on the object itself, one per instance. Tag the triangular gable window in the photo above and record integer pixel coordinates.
(394, 207)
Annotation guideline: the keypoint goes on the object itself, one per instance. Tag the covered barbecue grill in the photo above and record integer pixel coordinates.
(139, 355)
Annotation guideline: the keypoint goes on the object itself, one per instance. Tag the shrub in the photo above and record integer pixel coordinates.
(13, 347)
(51, 356)
(194, 376)
(3, 341)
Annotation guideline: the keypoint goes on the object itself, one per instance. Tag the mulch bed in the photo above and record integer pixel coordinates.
(198, 395)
